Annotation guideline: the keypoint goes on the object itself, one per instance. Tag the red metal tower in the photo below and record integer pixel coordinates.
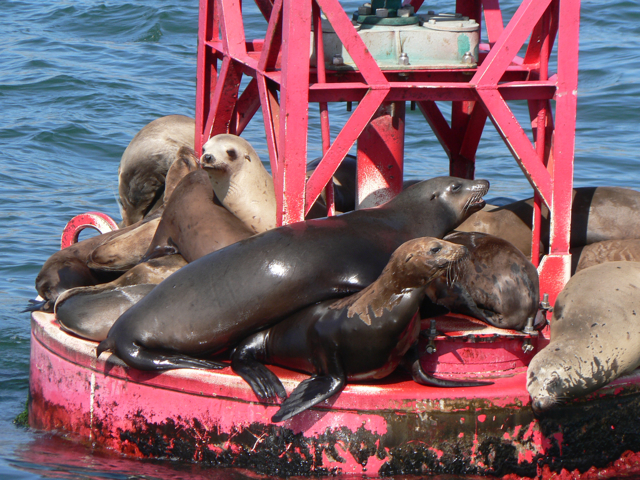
(285, 81)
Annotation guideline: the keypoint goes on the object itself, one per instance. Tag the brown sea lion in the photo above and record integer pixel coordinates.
(240, 181)
(146, 161)
(193, 224)
(89, 312)
(627, 250)
(501, 223)
(126, 251)
(258, 281)
(595, 333)
(597, 214)
(361, 337)
(495, 283)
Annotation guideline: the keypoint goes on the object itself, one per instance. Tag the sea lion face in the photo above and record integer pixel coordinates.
(226, 154)
(551, 379)
(465, 194)
(423, 259)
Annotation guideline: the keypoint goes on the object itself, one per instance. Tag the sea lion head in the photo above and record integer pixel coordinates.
(451, 199)
(226, 154)
(552, 379)
(419, 261)
(186, 161)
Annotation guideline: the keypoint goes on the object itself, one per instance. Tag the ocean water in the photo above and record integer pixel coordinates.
(78, 79)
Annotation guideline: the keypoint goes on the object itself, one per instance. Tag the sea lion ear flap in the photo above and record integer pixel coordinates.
(434, 196)
(247, 156)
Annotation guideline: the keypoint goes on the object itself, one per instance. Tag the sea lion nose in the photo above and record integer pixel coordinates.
(207, 158)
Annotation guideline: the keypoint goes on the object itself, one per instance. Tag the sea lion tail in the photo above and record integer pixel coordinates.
(107, 344)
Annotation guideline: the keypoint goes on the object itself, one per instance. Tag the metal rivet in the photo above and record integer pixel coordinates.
(404, 59)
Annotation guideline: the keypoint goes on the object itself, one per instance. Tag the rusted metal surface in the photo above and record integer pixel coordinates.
(96, 220)
(389, 428)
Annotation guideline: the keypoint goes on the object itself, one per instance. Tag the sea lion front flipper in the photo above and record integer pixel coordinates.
(307, 394)
(262, 381)
(421, 377)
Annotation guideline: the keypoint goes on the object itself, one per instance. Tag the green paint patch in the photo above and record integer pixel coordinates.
(463, 45)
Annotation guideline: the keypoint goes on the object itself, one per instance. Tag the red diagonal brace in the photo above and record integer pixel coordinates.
(352, 42)
(343, 142)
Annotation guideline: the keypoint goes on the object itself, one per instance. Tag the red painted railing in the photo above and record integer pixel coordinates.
(284, 83)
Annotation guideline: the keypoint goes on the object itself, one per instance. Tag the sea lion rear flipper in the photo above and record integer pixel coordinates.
(307, 394)
(412, 362)
(38, 306)
(262, 381)
(139, 357)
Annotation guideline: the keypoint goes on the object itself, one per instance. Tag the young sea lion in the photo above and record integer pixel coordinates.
(360, 337)
(495, 283)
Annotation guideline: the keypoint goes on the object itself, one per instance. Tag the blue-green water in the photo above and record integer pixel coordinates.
(78, 78)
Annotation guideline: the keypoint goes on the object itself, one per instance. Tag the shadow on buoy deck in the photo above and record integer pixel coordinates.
(389, 428)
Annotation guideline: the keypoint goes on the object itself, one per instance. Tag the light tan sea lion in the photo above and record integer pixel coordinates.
(595, 335)
(240, 181)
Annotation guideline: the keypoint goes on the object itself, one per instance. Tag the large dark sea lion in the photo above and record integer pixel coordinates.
(360, 337)
(90, 312)
(595, 335)
(146, 161)
(240, 181)
(250, 285)
(193, 224)
(495, 283)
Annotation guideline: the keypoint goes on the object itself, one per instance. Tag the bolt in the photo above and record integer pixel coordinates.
(404, 59)
(364, 10)
(404, 12)
(472, 22)
(382, 12)
(431, 12)
(432, 21)
(337, 60)
(468, 58)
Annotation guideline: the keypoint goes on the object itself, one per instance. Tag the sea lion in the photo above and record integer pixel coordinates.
(501, 223)
(250, 285)
(495, 283)
(89, 312)
(126, 251)
(344, 183)
(627, 250)
(360, 337)
(240, 181)
(597, 214)
(67, 268)
(595, 333)
(193, 224)
(146, 161)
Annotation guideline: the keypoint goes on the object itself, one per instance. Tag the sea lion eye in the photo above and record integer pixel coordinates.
(231, 153)
(435, 250)
(456, 187)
